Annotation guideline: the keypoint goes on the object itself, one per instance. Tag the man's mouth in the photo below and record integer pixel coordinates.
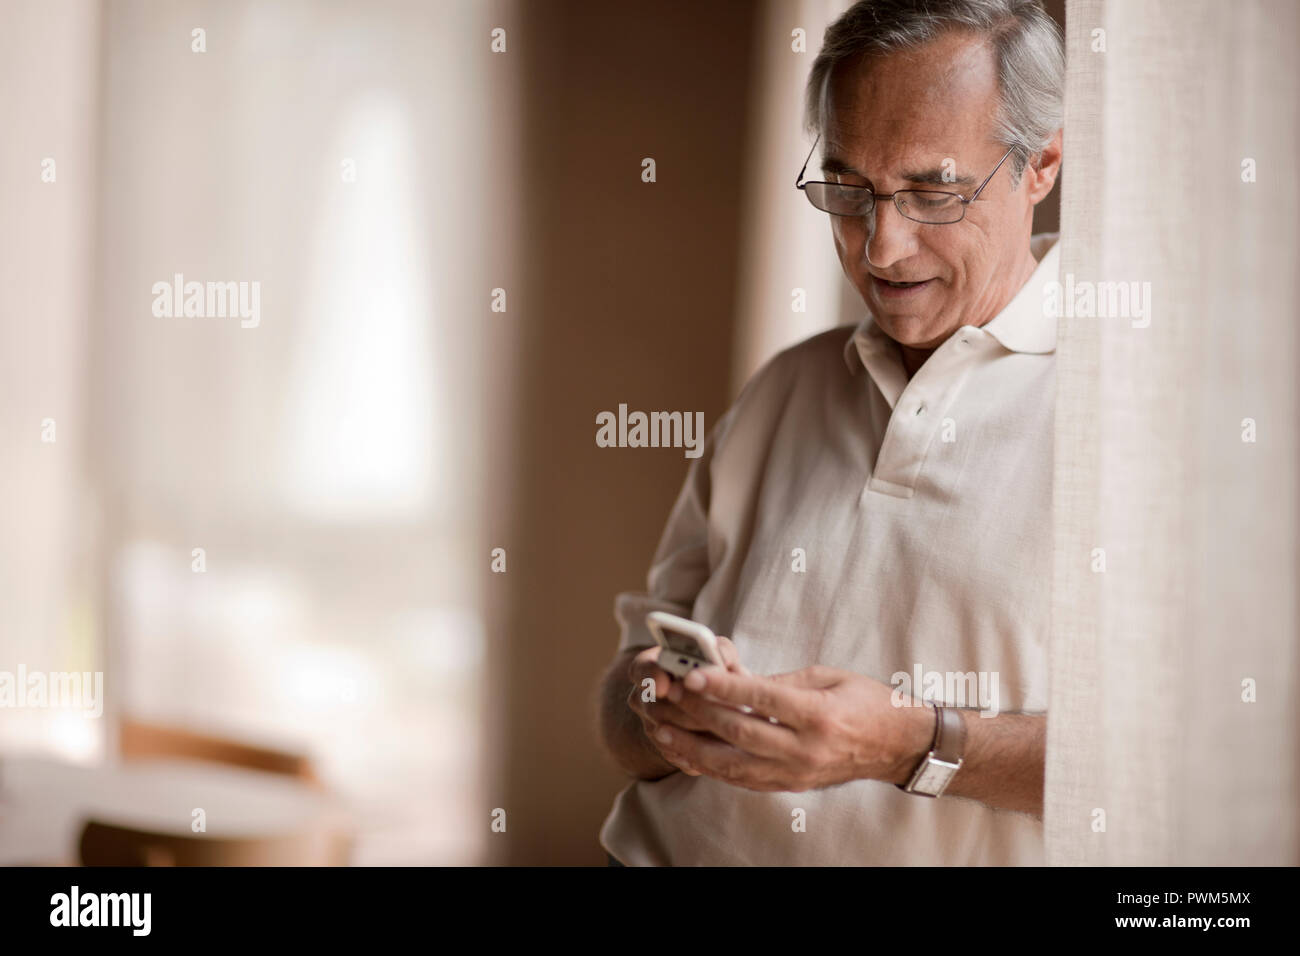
(892, 289)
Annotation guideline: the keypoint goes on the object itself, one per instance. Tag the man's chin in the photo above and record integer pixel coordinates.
(914, 332)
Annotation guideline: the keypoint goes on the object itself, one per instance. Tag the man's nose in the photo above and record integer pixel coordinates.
(891, 236)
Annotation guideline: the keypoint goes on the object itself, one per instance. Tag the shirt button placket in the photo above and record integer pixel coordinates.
(909, 434)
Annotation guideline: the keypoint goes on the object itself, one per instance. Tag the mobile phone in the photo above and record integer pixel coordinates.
(684, 644)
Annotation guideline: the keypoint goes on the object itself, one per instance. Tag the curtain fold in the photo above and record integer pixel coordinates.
(1172, 733)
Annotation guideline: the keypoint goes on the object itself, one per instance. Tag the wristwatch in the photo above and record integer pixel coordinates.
(944, 759)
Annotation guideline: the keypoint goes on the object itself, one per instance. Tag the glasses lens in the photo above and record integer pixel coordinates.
(840, 200)
(932, 207)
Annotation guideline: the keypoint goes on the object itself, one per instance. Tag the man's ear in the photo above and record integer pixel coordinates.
(1041, 171)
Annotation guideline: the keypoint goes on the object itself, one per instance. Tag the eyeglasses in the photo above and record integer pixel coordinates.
(930, 206)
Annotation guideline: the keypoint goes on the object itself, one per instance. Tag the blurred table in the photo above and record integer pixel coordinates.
(45, 804)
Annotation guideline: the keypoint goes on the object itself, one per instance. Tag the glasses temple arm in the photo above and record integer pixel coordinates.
(807, 159)
(989, 177)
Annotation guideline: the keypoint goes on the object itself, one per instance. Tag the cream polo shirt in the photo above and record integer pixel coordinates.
(923, 511)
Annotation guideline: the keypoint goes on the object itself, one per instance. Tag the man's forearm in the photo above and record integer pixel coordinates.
(621, 729)
(1004, 760)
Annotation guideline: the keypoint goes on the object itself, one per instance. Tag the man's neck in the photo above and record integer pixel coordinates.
(913, 359)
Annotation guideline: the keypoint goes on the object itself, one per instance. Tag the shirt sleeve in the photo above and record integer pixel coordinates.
(680, 567)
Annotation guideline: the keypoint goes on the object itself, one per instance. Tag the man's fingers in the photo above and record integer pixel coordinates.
(667, 712)
(751, 733)
(731, 656)
(813, 678)
(676, 760)
(715, 758)
(675, 731)
(644, 667)
(647, 657)
(788, 704)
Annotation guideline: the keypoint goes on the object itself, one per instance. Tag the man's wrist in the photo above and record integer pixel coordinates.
(915, 736)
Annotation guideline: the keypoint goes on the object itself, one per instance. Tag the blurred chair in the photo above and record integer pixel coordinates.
(108, 844)
(139, 740)
(104, 844)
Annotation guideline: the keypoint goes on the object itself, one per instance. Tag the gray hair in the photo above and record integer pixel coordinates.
(1025, 40)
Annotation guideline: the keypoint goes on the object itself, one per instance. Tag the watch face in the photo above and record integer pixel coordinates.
(934, 776)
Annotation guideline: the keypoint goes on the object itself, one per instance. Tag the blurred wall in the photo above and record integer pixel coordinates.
(49, 71)
(325, 458)
(626, 297)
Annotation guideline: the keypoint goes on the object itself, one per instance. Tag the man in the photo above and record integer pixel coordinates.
(876, 506)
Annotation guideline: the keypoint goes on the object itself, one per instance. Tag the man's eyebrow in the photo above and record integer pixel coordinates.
(832, 164)
(928, 177)
(938, 177)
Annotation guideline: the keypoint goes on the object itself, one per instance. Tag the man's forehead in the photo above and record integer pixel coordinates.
(946, 89)
(933, 156)
(911, 110)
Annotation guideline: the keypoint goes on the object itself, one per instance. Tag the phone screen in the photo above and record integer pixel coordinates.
(682, 644)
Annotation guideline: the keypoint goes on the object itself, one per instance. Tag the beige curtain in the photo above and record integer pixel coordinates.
(1172, 729)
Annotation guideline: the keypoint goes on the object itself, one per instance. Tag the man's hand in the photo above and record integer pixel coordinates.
(650, 697)
(834, 726)
(831, 726)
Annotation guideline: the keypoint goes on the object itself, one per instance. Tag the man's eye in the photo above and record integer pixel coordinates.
(853, 194)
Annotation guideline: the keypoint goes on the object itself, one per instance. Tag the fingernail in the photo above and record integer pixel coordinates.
(695, 680)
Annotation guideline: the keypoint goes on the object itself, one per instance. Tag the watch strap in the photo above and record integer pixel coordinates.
(949, 735)
(944, 757)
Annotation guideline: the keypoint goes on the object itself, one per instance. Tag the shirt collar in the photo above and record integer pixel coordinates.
(1023, 326)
